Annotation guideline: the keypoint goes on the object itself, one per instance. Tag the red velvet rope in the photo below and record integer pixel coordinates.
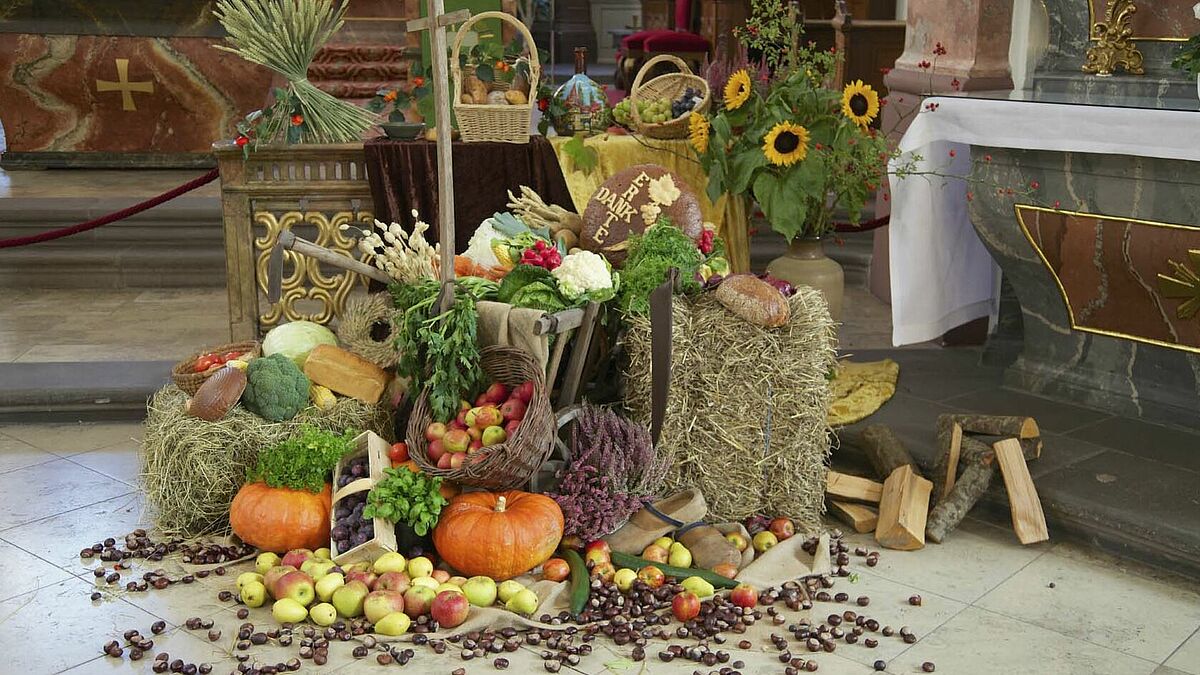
(112, 217)
(863, 227)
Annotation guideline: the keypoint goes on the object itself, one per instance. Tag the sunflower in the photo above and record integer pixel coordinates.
(786, 144)
(698, 132)
(737, 89)
(860, 103)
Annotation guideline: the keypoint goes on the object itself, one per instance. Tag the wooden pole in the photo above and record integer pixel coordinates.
(445, 158)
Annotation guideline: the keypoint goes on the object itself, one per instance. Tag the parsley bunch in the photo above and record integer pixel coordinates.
(408, 497)
(304, 461)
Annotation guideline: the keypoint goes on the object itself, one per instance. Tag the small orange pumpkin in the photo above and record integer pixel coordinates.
(280, 519)
(498, 534)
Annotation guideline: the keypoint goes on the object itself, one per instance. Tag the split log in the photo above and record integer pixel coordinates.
(978, 468)
(999, 425)
(858, 516)
(953, 451)
(946, 467)
(885, 451)
(845, 487)
(1029, 521)
(903, 509)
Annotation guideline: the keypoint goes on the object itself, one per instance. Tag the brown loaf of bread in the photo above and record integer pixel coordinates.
(754, 300)
(217, 396)
(346, 373)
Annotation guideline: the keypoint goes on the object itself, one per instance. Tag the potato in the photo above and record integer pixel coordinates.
(496, 98)
(476, 88)
(516, 97)
(567, 238)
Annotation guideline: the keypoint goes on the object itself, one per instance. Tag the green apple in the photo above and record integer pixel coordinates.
(288, 610)
(509, 588)
(699, 586)
(427, 582)
(253, 594)
(323, 614)
(624, 578)
(317, 568)
(329, 583)
(323, 553)
(481, 591)
(396, 623)
(246, 577)
(266, 561)
(525, 602)
(389, 562)
(348, 600)
(764, 540)
(664, 542)
(493, 435)
(679, 556)
(420, 567)
(449, 587)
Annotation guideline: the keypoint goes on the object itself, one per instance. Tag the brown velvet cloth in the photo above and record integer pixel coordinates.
(403, 177)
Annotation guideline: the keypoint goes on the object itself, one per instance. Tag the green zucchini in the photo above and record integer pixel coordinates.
(679, 573)
(581, 585)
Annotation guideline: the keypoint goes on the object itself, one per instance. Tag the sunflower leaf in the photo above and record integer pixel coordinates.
(741, 170)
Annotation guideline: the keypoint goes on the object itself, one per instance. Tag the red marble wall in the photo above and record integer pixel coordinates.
(1157, 18)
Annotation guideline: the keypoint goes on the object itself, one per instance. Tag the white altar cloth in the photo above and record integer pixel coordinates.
(941, 274)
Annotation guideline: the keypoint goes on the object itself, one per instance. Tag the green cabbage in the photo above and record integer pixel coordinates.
(296, 339)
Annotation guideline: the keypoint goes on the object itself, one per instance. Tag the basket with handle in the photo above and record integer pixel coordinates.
(669, 86)
(487, 121)
(189, 381)
(503, 466)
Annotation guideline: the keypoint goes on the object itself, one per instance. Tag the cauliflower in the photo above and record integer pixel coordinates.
(585, 274)
(275, 388)
(479, 249)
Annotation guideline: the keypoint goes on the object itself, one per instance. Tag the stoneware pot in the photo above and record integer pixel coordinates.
(805, 264)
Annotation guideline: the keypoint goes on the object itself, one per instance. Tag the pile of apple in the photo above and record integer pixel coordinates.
(766, 533)
(390, 592)
(492, 420)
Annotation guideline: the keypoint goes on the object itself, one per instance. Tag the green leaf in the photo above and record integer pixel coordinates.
(741, 169)
(716, 179)
(485, 72)
(583, 158)
(783, 210)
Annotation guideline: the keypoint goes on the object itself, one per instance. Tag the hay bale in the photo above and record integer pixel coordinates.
(746, 415)
(191, 469)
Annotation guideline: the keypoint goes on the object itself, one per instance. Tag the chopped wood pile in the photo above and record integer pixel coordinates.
(972, 447)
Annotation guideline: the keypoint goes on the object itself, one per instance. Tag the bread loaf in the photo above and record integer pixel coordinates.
(217, 396)
(346, 373)
(754, 300)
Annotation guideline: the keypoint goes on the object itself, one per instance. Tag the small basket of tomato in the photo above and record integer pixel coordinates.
(191, 372)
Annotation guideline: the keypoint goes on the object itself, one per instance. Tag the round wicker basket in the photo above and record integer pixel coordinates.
(188, 381)
(508, 465)
(669, 86)
(493, 122)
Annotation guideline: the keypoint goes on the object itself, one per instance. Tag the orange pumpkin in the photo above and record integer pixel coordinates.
(449, 489)
(280, 519)
(498, 534)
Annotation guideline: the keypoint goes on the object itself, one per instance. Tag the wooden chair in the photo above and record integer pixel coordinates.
(681, 41)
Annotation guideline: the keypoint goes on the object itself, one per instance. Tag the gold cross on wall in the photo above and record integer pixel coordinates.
(124, 86)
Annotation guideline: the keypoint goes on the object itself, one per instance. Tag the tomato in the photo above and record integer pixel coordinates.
(229, 356)
(204, 363)
(398, 453)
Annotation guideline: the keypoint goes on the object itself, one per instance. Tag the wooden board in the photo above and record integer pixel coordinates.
(1029, 521)
(843, 486)
(956, 435)
(858, 516)
(903, 508)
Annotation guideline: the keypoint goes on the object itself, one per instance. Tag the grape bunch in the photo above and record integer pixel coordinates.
(350, 529)
(685, 103)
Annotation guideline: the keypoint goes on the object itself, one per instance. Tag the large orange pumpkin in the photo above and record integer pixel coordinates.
(498, 534)
(280, 519)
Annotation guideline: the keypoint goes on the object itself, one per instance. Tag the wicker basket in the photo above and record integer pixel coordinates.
(669, 86)
(507, 465)
(488, 122)
(189, 382)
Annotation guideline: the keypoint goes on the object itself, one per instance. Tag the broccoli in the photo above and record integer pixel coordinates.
(275, 388)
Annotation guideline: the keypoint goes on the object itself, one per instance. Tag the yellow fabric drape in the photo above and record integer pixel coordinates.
(617, 152)
(859, 389)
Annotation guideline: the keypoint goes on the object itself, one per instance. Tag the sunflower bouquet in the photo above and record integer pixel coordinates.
(802, 150)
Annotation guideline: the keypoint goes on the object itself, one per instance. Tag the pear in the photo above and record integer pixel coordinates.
(288, 610)
(389, 562)
(699, 586)
(507, 589)
(524, 602)
(246, 577)
(253, 594)
(396, 623)
(322, 614)
(266, 561)
(679, 556)
(327, 584)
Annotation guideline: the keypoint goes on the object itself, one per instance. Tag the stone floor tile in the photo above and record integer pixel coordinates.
(1060, 451)
(1167, 670)
(73, 438)
(1107, 605)
(979, 642)
(1187, 658)
(914, 422)
(71, 628)
(191, 647)
(15, 454)
(937, 374)
(59, 538)
(1164, 444)
(44, 490)
(122, 462)
(23, 572)
(1051, 415)
(974, 559)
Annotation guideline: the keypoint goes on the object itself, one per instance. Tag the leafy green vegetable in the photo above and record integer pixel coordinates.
(540, 295)
(651, 254)
(520, 277)
(408, 497)
(276, 390)
(304, 461)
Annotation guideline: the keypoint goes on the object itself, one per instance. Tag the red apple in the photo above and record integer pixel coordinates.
(496, 393)
(513, 409)
(476, 434)
(417, 600)
(368, 578)
(456, 441)
(482, 400)
(455, 424)
(782, 528)
(484, 417)
(393, 581)
(434, 431)
(475, 445)
(440, 576)
(436, 450)
(398, 454)
(603, 571)
(510, 427)
(744, 596)
(524, 392)
(461, 419)
(652, 576)
(555, 569)
(379, 604)
(726, 569)
(449, 609)
(464, 404)
(296, 557)
(444, 461)
(656, 553)
(596, 557)
(457, 459)
(685, 606)
(598, 545)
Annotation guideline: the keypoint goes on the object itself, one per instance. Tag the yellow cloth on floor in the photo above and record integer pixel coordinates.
(617, 152)
(502, 324)
(859, 389)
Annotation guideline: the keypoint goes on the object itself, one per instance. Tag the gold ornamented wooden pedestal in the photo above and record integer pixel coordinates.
(1114, 46)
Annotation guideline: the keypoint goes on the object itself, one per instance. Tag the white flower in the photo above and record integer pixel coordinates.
(650, 213)
(1196, 10)
(663, 191)
(581, 273)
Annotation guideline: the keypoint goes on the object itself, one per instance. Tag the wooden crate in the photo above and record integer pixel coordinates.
(376, 449)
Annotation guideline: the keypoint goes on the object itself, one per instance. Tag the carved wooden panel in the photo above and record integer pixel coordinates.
(1154, 20)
